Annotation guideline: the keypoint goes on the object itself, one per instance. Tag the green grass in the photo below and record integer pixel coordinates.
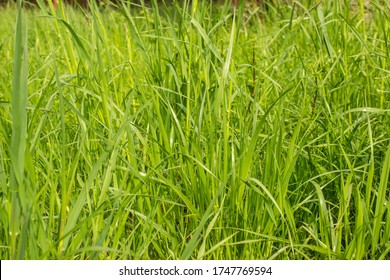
(195, 131)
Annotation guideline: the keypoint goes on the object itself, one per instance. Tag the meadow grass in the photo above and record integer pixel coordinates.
(195, 130)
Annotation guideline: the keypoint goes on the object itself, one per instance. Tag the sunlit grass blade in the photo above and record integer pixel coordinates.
(21, 209)
(380, 206)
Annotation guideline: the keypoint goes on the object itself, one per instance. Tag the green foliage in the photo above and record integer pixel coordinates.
(195, 130)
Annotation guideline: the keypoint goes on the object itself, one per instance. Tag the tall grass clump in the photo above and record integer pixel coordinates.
(195, 130)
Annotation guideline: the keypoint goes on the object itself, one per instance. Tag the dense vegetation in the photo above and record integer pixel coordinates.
(195, 131)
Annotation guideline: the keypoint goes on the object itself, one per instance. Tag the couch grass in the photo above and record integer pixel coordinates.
(195, 131)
